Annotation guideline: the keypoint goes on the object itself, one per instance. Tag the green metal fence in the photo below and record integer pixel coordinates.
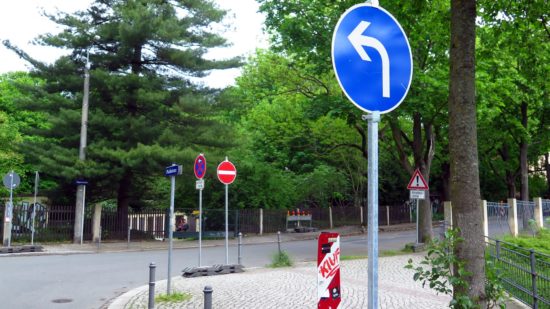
(525, 273)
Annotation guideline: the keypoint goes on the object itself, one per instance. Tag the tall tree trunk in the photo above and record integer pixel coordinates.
(446, 175)
(547, 169)
(510, 175)
(523, 150)
(123, 200)
(423, 153)
(511, 184)
(465, 192)
(524, 168)
(425, 215)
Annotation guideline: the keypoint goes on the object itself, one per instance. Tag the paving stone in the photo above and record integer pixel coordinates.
(296, 287)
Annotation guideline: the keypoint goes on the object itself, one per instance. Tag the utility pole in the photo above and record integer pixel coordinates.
(81, 188)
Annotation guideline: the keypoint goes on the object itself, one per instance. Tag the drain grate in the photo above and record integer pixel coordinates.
(62, 300)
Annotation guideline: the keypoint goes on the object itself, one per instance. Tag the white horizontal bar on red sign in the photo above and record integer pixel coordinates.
(227, 173)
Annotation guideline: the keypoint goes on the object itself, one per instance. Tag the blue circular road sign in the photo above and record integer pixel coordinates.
(372, 58)
(200, 166)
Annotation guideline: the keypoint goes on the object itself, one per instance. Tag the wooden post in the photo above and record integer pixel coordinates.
(261, 221)
(538, 212)
(96, 223)
(448, 214)
(485, 218)
(513, 216)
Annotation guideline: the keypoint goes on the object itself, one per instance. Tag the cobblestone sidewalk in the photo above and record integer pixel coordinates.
(296, 288)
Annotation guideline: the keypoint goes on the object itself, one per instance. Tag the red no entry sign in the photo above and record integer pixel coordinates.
(227, 172)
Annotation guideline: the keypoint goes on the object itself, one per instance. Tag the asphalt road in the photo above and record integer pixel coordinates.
(90, 280)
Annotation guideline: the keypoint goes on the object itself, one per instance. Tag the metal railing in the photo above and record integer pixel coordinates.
(525, 274)
(526, 212)
(497, 215)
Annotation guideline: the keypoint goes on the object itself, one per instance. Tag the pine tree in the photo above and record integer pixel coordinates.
(143, 103)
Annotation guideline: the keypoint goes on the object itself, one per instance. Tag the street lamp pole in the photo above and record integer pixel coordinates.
(81, 189)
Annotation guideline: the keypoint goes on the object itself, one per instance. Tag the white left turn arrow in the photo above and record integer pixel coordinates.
(358, 40)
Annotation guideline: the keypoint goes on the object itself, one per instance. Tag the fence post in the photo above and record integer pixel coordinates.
(151, 304)
(330, 217)
(208, 297)
(538, 212)
(485, 218)
(128, 237)
(279, 241)
(240, 248)
(7, 225)
(448, 214)
(388, 215)
(261, 221)
(99, 239)
(513, 216)
(96, 222)
(497, 246)
(534, 278)
(361, 214)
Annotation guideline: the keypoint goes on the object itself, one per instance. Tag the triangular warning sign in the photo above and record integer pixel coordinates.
(417, 181)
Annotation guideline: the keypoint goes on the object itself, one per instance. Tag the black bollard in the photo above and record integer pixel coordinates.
(152, 267)
(208, 297)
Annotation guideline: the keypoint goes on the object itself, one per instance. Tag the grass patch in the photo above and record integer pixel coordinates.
(281, 259)
(540, 242)
(175, 297)
(352, 257)
(387, 253)
(383, 253)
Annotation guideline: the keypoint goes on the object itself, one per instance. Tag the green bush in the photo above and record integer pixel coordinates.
(281, 259)
(436, 270)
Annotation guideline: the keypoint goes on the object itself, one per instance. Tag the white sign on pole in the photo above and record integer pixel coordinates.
(199, 184)
(417, 194)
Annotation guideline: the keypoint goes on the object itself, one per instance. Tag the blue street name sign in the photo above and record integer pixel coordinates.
(372, 58)
(80, 182)
(173, 170)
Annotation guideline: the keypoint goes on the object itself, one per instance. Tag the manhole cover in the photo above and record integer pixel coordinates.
(62, 300)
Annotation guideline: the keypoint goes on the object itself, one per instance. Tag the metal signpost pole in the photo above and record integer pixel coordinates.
(200, 227)
(200, 170)
(417, 212)
(226, 174)
(170, 231)
(373, 120)
(226, 224)
(10, 209)
(34, 206)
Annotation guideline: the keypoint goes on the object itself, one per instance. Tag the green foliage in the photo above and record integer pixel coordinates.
(444, 272)
(281, 259)
(144, 110)
(174, 297)
(15, 124)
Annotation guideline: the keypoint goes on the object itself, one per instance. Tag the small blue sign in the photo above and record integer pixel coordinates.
(173, 170)
(80, 182)
(200, 166)
(372, 58)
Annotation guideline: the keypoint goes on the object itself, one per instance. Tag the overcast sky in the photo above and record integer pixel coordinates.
(21, 21)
